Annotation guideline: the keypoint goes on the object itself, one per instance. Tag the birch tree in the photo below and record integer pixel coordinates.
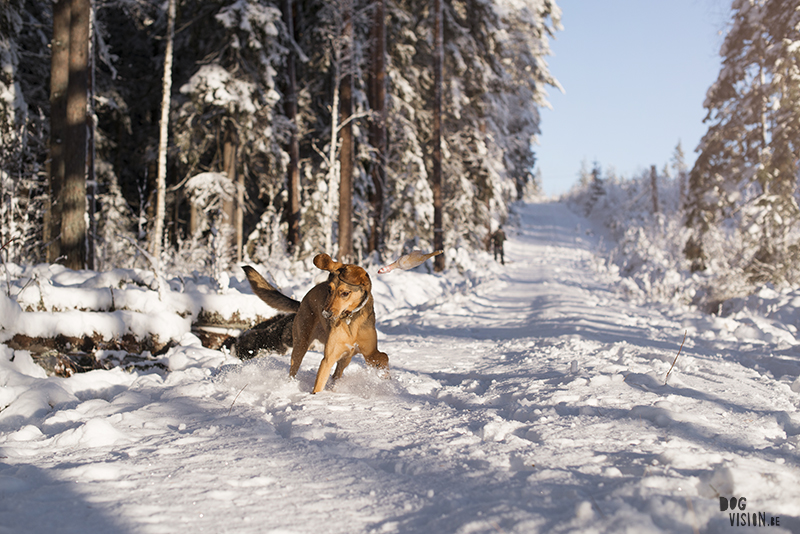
(157, 237)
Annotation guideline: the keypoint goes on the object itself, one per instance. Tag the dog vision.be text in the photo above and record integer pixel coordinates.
(746, 519)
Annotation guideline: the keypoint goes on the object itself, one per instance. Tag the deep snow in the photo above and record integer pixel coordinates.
(531, 402)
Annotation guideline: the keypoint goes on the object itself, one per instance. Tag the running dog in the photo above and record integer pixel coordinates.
(339, 313)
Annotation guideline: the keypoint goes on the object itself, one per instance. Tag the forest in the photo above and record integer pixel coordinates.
(197, 133)
(631, 365)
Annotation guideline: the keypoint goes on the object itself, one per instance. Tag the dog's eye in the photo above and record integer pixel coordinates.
(345, 294)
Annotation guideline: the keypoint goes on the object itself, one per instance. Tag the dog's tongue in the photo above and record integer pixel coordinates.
(409, 261)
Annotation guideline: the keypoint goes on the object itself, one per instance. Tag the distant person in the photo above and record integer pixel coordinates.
(497, 244)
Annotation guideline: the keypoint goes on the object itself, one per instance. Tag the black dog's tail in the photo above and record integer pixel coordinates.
(269, 294)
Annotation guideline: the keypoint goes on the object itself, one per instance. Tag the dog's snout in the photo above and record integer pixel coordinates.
(327, 314)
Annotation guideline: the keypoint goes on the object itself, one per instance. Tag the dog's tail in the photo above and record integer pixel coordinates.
(269, 294)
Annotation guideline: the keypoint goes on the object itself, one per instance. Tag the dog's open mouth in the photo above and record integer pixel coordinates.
(336, 319)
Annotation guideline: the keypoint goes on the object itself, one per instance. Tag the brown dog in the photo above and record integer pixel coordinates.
(339, 313)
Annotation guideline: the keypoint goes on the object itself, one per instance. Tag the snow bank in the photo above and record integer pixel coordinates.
(643, 254)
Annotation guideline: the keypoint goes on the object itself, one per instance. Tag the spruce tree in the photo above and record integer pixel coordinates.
(742, 185)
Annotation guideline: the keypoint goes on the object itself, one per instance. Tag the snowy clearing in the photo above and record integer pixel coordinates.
(532, 402)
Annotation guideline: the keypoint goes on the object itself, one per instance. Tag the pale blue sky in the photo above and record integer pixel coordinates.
(635, 74)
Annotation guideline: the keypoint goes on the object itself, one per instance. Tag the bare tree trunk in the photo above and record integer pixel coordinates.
(229, 168)
(332, 160)
(233, 208)
(438, 204)
(238, 214)
(654, 187)
(73, 221)
(346, 155)
(377, 131)
(91, 178)
(194, 220)
(59, 81)
(290, 108)
(163, 137)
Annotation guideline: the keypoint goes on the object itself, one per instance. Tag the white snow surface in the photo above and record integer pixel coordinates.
(532, 401)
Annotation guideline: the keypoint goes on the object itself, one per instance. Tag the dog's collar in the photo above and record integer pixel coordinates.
(351, 314)
(361, 304)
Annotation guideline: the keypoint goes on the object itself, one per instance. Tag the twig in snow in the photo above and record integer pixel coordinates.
(236, 397)
(597, 506)
(676, 357)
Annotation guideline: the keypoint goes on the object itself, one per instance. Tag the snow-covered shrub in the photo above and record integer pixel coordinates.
(23, 129)
(644, 248)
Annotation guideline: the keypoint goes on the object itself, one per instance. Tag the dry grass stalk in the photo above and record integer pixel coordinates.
(676, 357)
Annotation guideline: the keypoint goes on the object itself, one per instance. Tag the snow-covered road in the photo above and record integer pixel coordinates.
(533, 403)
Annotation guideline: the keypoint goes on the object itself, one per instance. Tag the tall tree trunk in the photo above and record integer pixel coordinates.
(377, 131)
(163, 137)
(438, 204)
(234, 208)
(290, 109)
(194, 219)
(91, 178)
(238, 211)
(346, 154)
(654, 187)
(239, 219)
(59, 81)
(333, 151)
(73, 214)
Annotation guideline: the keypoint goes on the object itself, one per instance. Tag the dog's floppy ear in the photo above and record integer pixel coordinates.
(355, 276)
(324, 262)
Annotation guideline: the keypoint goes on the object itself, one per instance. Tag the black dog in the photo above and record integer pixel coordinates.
(273, 335)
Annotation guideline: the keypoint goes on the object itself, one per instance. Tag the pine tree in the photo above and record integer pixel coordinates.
(438, 201)
(742, 185)
(496, 82)
(59, 78)
(293, 149)
(227, 117)
(72, 196)
(347, 150)
(377, 128)
(230, 111)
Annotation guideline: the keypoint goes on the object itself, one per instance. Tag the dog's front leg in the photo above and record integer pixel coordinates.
(304, 330)
(368, 343)
(334, 352)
